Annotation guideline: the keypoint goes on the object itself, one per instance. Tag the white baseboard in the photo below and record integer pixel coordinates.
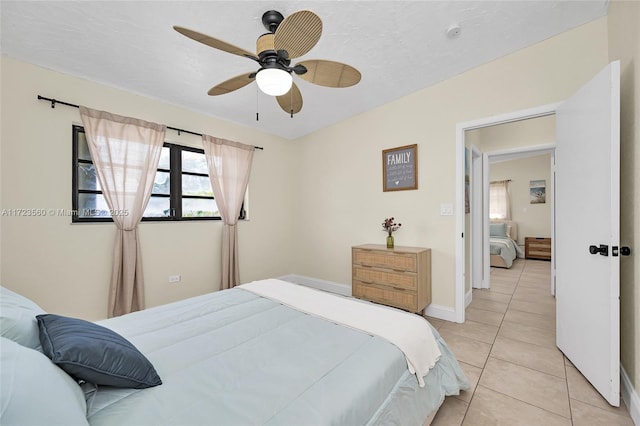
(629, 396)
(441, 312)
(467, 298)
(329, 286)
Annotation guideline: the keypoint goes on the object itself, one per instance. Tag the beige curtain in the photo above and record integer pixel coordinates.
(229, 169)
(125, 152)
(499, 202)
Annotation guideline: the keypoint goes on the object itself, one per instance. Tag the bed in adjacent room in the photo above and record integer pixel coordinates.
(268, 352)
(503, 249)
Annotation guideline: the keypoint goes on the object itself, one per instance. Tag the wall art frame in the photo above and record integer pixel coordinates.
(400, 168)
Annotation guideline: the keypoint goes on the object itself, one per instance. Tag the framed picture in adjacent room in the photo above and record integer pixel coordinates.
(537, 191)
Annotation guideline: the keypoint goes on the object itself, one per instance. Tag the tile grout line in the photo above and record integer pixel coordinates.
(570, 418)
(504, 314)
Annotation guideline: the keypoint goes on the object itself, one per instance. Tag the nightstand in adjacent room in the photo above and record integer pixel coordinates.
(398, 277)
(537, 248)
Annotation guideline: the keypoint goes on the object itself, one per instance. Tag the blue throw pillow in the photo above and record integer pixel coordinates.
(95, 354)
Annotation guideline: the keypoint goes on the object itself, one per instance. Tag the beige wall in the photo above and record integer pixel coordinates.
(534, 220)
(624, 45)
(518, 134)
(341, 202)
(66, 268)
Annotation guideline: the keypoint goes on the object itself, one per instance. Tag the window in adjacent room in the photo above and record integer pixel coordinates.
(181, 189)
(499, 203)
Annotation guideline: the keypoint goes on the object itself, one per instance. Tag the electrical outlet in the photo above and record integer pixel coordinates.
(174, 278)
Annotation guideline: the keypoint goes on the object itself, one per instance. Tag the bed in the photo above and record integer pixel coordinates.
(503, 248)
(236, 357)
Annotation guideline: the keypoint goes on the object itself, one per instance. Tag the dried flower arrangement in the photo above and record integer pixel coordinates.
(389, 226)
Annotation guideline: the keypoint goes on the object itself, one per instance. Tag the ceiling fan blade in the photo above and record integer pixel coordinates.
(232, 84)
(291, 102)
(215, 43)
(330, 73)
(298, 33)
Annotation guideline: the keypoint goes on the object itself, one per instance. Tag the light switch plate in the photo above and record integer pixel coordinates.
(446, 209)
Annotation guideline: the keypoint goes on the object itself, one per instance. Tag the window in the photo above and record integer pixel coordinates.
(499, 203)
(181, 189)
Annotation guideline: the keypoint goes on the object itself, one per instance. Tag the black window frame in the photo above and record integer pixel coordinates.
(175, 186)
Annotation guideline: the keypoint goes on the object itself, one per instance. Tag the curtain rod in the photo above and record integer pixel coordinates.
(56, 101)
(498, 181)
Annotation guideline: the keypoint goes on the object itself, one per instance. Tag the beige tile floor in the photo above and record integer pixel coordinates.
(507, 349)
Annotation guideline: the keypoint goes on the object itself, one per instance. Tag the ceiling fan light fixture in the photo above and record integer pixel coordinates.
(274, 81)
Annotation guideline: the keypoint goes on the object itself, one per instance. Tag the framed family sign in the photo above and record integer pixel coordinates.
(400, 168)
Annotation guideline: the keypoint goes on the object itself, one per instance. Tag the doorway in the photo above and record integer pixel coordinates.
(462, 129)
(588, 122)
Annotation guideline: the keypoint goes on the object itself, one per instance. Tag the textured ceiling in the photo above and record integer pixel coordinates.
(399, 47)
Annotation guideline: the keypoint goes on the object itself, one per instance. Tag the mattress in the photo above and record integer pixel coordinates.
(504, 247)
(235, 358)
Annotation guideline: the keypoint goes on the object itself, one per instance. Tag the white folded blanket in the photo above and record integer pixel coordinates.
(409, 332)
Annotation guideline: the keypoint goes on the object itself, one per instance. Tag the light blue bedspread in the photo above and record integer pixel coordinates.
(234, 358)
(504, 247)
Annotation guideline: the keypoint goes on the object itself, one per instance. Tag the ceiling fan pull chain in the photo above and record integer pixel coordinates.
(291, 101)
(257, 104)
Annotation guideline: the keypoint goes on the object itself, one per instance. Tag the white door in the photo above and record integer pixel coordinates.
(587, 214)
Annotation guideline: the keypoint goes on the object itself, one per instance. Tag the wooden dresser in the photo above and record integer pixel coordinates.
(398, 277)
(537, 248)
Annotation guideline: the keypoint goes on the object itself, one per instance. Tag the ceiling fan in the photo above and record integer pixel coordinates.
(288, 38)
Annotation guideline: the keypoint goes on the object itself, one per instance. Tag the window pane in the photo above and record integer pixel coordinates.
(196, 185)
(161, 183)
(164, 158)
(87, 178)
(158, 207)
(194, 162)
(83, 148)
(193, 207)
(92, 206)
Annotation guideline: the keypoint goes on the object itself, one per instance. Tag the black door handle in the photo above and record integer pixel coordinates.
(603, 250)
(625, 251)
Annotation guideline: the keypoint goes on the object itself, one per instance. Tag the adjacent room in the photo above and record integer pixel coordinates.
(423, 227)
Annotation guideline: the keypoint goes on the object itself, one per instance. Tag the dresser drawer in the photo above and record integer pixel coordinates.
(401, 280)
(391, 260)
(537, 248)
(387, 296)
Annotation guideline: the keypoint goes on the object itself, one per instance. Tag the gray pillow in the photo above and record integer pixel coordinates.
(18, 319)
(33, 391)
(94, 353)
(498, 229)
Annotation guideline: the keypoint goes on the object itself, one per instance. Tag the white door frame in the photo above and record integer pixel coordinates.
(477, 196)
(461, 129)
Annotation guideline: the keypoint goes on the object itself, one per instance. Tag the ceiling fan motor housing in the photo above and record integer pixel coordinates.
(265, 43)
(268, 56)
